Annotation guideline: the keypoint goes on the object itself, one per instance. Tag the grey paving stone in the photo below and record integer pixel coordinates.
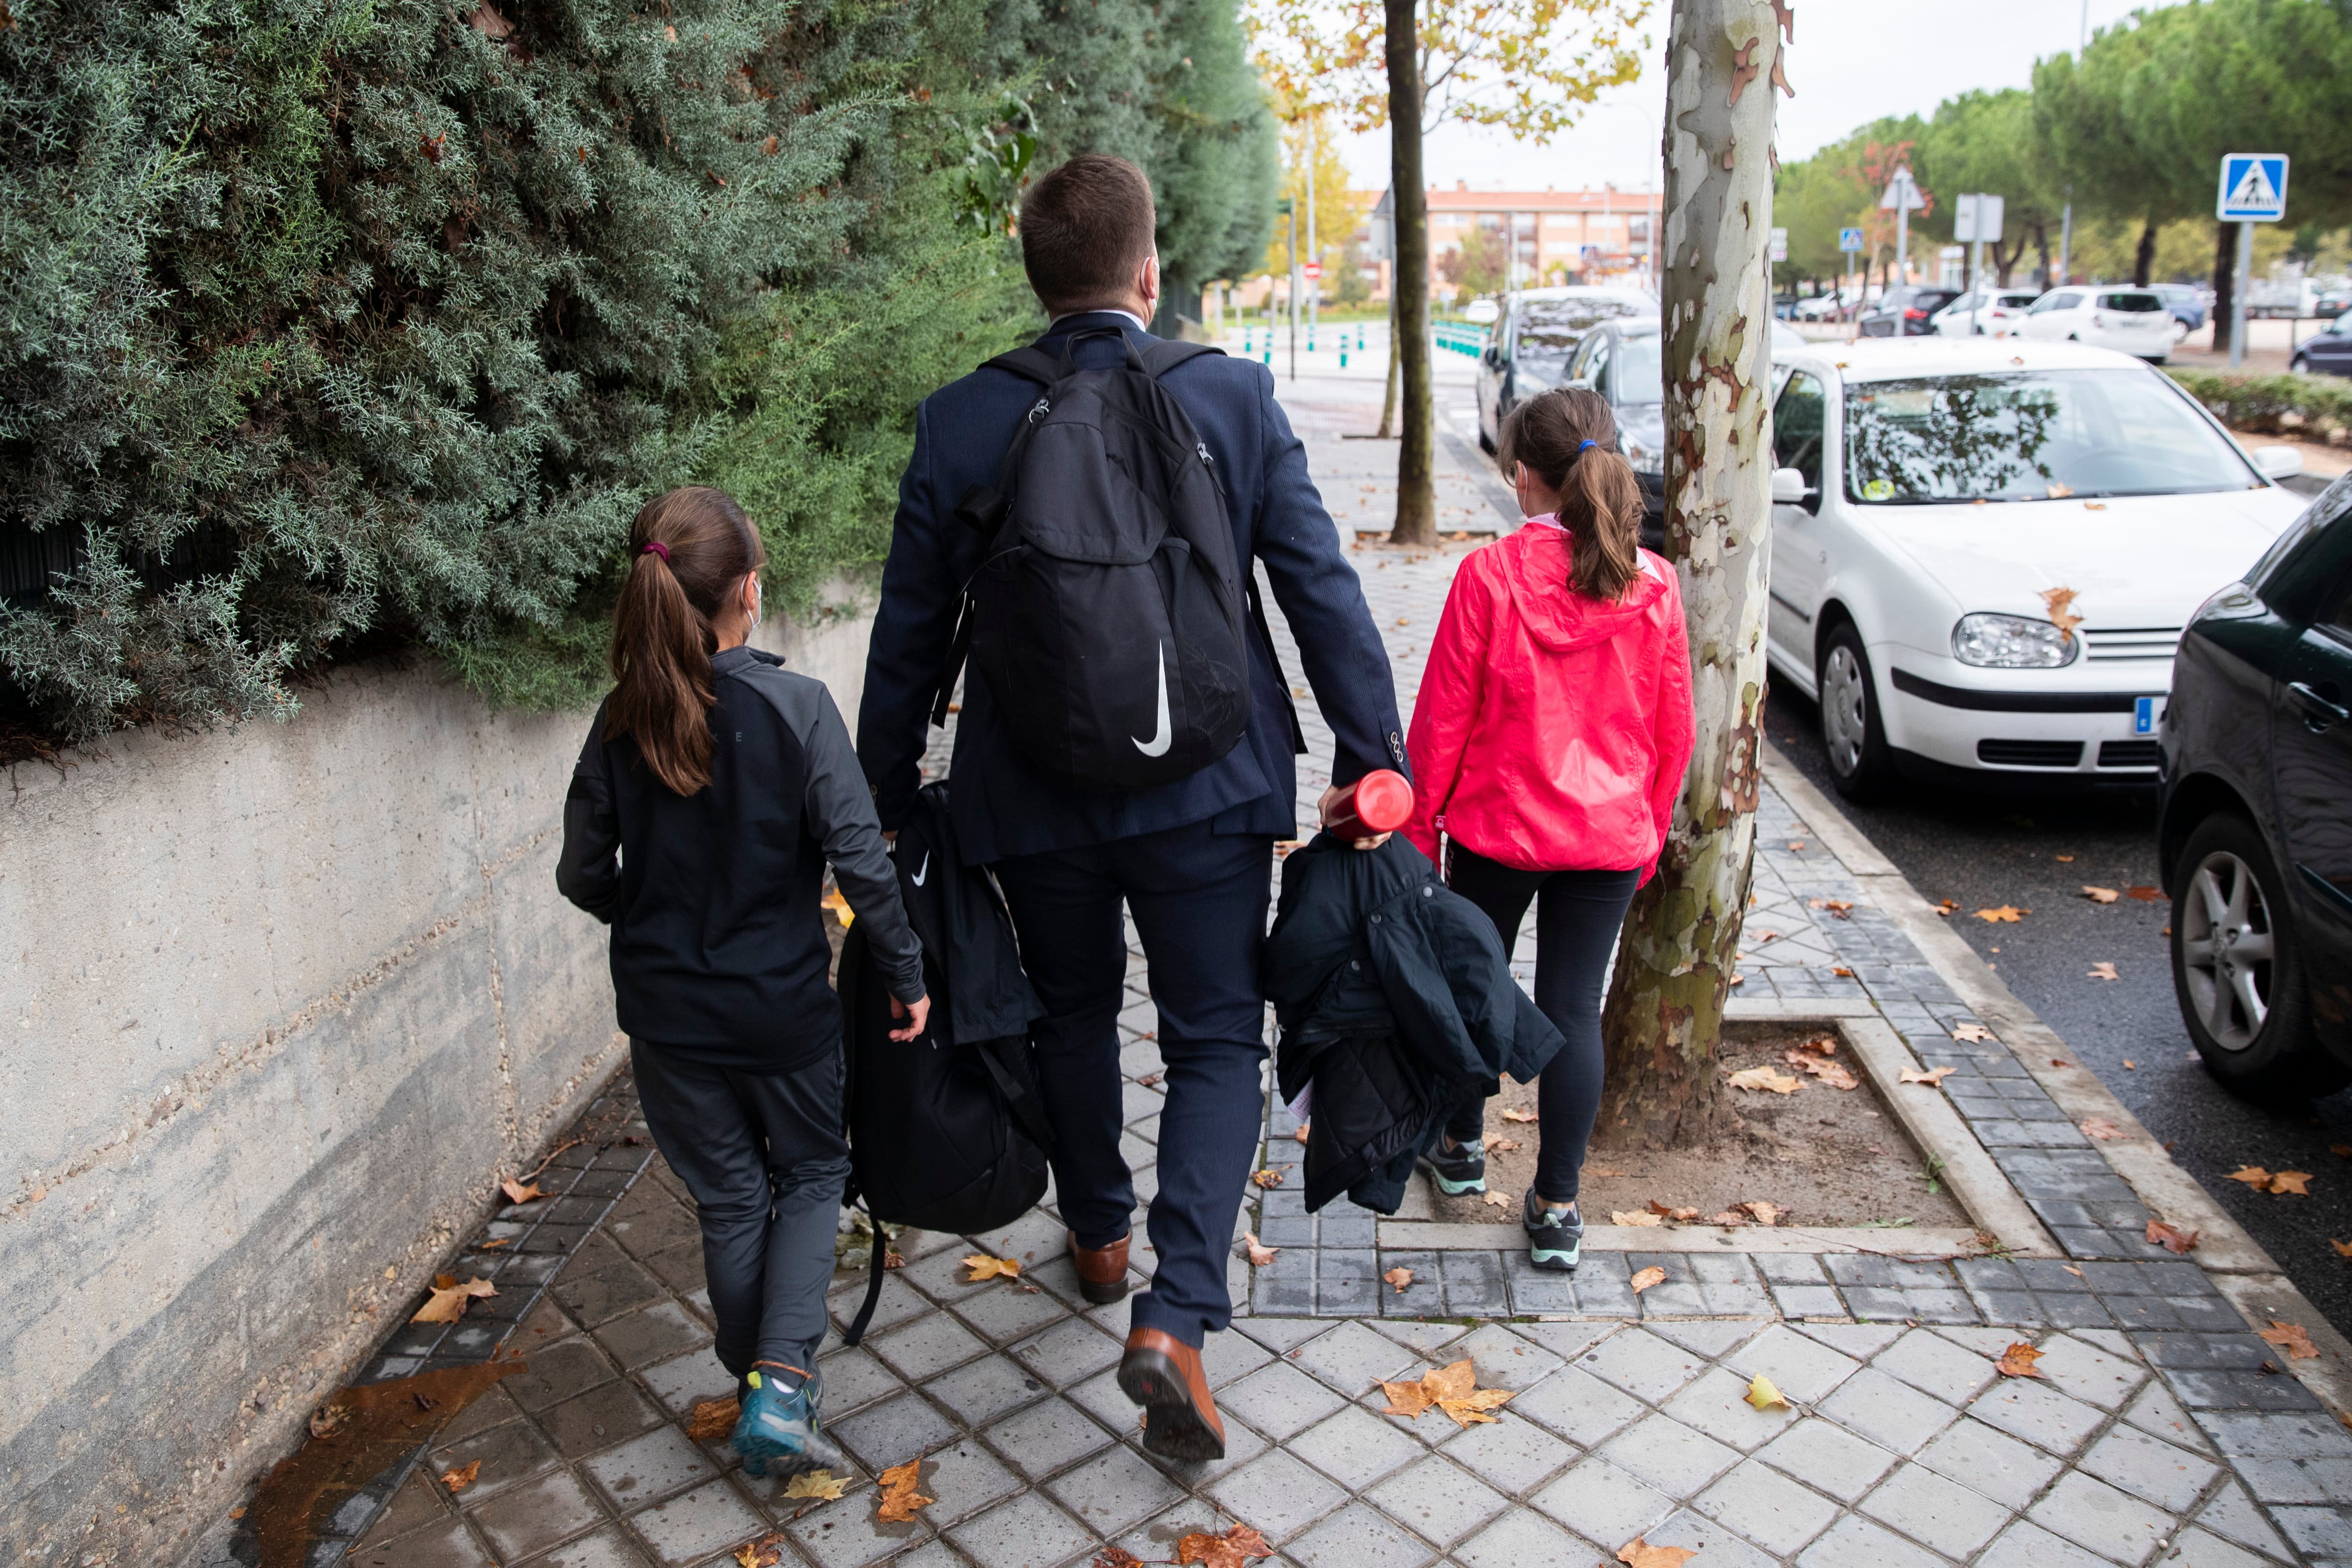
(963, 1477)
(1578, 1405)
(1474, 1283)
(1855, 1542)
(1229, 1355)
(2031, 1409)
(607, 1548)
(1668, 1455)
(2296, 1481)
(1768, 1508)
(2193, 1548)
(1427, 1340)
(1923, 1505)
(1712, 1339)
(1809, 1301)
(852, 1379)
(981, 1391)
(1506, 1360)
(2316, 1531)
(2234, 1390)
(1024, 1531)
(1718, 1406)
(1046, 1438)
(2234, 1516)
(1360, 1536)
(660, 1462)
(1005, 1315)
(892, 1431)
(1934, 1364)
(2027, 1545)
(1279, 1400)
(1791, 1268)
(846, 1534)
(1101, 1397)
(2171, 1478)
(1603, 1503)
(1282, 1335)
(1355, 1447)
(1511, 1453)
(689, 1528)
(1114, 1489)
(2094, 1515)
(537, 1514)
(1800, 1365)
(1713, 1544)
(2156, 1411)
(1439, 1500)
(2087, 1372)
(1351, 1358)
(1827, 1455)
(1070, 1351)
(1989, 1461)
(1642, 1363)
(1520, 1538)
(1890, 1414)
(1878, 1304)
(1279, 1494)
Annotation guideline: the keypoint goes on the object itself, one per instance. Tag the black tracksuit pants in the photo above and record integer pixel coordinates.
(763, 1155)
(1577, 913)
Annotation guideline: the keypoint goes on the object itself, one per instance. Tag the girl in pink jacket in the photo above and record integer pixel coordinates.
(1550, 736)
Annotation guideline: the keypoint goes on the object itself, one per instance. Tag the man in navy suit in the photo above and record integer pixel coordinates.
(1191, 860)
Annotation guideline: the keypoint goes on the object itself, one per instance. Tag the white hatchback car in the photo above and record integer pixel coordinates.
(1984, 312)
(1983, 552)
(2129, 320)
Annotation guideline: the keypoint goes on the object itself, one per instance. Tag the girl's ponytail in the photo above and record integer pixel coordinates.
(689, 549)
(1568, 437)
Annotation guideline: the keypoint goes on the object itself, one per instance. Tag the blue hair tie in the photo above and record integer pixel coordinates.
(1586, 448)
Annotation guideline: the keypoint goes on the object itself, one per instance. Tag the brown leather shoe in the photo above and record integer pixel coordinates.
(1163, 1373)
(1102, 1270)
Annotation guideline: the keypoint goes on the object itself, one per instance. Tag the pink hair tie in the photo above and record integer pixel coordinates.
(655, 547)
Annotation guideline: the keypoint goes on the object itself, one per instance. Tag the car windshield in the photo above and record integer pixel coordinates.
(1636, 376)
(2135, 302)
(2030, 435)
(1550, 330)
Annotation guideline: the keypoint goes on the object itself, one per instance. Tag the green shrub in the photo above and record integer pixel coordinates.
(2308, 406)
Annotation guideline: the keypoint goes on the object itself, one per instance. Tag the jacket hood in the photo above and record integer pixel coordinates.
(1534, 562)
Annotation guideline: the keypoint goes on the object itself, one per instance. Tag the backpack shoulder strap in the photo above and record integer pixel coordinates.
(1031, 364)
(1162, 355)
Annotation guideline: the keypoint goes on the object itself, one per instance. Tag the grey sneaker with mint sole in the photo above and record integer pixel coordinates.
(1554, 1240)
(1460, 1171)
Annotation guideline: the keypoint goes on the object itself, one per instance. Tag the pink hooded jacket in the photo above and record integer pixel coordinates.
(1552, 730)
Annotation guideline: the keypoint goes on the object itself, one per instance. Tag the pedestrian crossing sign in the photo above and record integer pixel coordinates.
(2253, 188)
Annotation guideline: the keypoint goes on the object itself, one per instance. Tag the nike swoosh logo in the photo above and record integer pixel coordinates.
(1158, 745)
(926, 871)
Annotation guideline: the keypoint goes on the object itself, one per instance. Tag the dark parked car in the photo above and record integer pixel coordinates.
(2328, 351)
(1903, 312)
(1540, 332)
(2256, 818)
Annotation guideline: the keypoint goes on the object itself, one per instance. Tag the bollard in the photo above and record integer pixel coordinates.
(1343, 353)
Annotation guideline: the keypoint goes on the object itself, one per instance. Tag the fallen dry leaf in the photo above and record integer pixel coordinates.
(1451, 1389)
(821, 1484)
(2146, 894)
(517, 1193)
(1653, 1275)
(1726, 1218)
(461, 1478)
(2100, 1127)
(2298, 1183)
(985, 1267)
(1148, 1080)
(2103, 970)
(1763, 1395)
(2343, 1248)
(1260, 1254)
(2129, 1062)
(2292, 1338)
(713, 1419)
(764, 1552)
(2100, 894)
(2252, 1175)
(1764, 1213)
(1267, 1177)
(840, 907)
(2008, 914)
(1832, 1073)
(1933, 1077)
(1120, 1556)
(447, 1303)
(1842, 972)
(1636, 1216)
(1513, 1114)
(2343, 1151)
(1398, 1279)
(1666, 1211)
(328, 1420)
(1639, 1553)
(1496, 1200)
(1228, 1549)
(1971, 1032)
(2068, 860)
(1765, 1078)
(2017, 1361)
(2061, 600)
(1824, 1046)
(1504, 1145)
(2170, 1237)
(1947, 908)
(899, 1497)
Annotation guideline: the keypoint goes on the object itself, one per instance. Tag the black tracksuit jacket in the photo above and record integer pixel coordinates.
(719, 948)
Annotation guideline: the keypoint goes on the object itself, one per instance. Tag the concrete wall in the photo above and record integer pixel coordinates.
(278, 1006)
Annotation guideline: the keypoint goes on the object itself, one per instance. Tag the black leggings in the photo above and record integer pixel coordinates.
(1577, 913)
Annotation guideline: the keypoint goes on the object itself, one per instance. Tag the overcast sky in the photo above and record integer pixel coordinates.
(1852, 61)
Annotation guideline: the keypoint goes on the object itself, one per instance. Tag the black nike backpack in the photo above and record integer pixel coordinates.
(1108, 615)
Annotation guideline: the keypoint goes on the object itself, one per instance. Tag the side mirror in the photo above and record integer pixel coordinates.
(2278, 461)
(1788, 488)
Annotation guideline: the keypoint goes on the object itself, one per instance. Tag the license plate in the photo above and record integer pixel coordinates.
(2146, 712)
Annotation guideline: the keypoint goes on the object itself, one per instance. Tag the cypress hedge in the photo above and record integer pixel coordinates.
(332, 327)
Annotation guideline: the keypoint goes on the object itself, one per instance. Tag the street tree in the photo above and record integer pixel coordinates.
(1527, 66)
(1664, 1015)
(1984, 142)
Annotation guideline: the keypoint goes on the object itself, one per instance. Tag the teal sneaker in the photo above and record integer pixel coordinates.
(1459, 1171)
(1554, 1238)
(778, 1431)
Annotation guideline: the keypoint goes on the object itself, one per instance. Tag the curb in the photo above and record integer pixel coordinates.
(2236, 1264)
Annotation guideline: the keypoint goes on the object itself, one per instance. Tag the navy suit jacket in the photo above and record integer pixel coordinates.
(1003, 807)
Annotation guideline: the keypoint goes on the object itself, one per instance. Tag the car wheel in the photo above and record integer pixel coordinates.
(2299, 366)
(2236, 969)
(1859, 764)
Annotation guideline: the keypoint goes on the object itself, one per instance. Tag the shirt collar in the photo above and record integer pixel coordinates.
(1140, 324)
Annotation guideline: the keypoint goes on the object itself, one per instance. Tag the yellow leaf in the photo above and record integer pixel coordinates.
(1933, 1077)
(2017, 1361)
(1765, 1213)
(1653, 1275)
(985, 1267)
(2008, 914)
(2296, 1182)
(764, 1552)
(2252, 1175)
(1763, 1395)
(447, 1303)
(1451, 1389)
(517, 1193)
(817, 1484)
(899, 1497)
(1766, 1078)
(1639, 1553)
(1268, 1177)
(2100, 894)
(461, 1478)
(840, 907)
(1472, 1407)
(1406, 1399)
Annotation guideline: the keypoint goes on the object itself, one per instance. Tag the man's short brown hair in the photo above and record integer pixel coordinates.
(1086, 228)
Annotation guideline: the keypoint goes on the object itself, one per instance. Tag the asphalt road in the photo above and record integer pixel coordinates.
(1984, 851)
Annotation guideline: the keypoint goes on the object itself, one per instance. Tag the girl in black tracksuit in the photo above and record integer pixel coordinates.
(714, 786)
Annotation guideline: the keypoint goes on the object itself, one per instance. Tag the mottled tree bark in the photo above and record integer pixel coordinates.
(1665, 1011)
(1416, 513)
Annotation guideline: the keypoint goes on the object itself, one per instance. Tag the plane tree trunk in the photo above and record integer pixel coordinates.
(1416, 513)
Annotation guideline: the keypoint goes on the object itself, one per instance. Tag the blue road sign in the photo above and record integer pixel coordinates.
(2253, 188)
(1849, 239)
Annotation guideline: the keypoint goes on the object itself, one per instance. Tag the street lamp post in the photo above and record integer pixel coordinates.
(1290, 218)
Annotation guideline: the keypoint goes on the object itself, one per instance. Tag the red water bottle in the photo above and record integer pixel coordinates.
(1379, 803)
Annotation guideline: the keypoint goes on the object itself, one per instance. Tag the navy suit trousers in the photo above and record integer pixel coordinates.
(1199, 899)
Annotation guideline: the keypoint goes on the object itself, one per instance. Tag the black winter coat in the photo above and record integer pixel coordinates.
(1396, 1001)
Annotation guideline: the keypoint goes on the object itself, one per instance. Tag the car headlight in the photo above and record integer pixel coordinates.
(2012, 642)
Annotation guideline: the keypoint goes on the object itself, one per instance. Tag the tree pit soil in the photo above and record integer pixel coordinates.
(1828, 1156)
